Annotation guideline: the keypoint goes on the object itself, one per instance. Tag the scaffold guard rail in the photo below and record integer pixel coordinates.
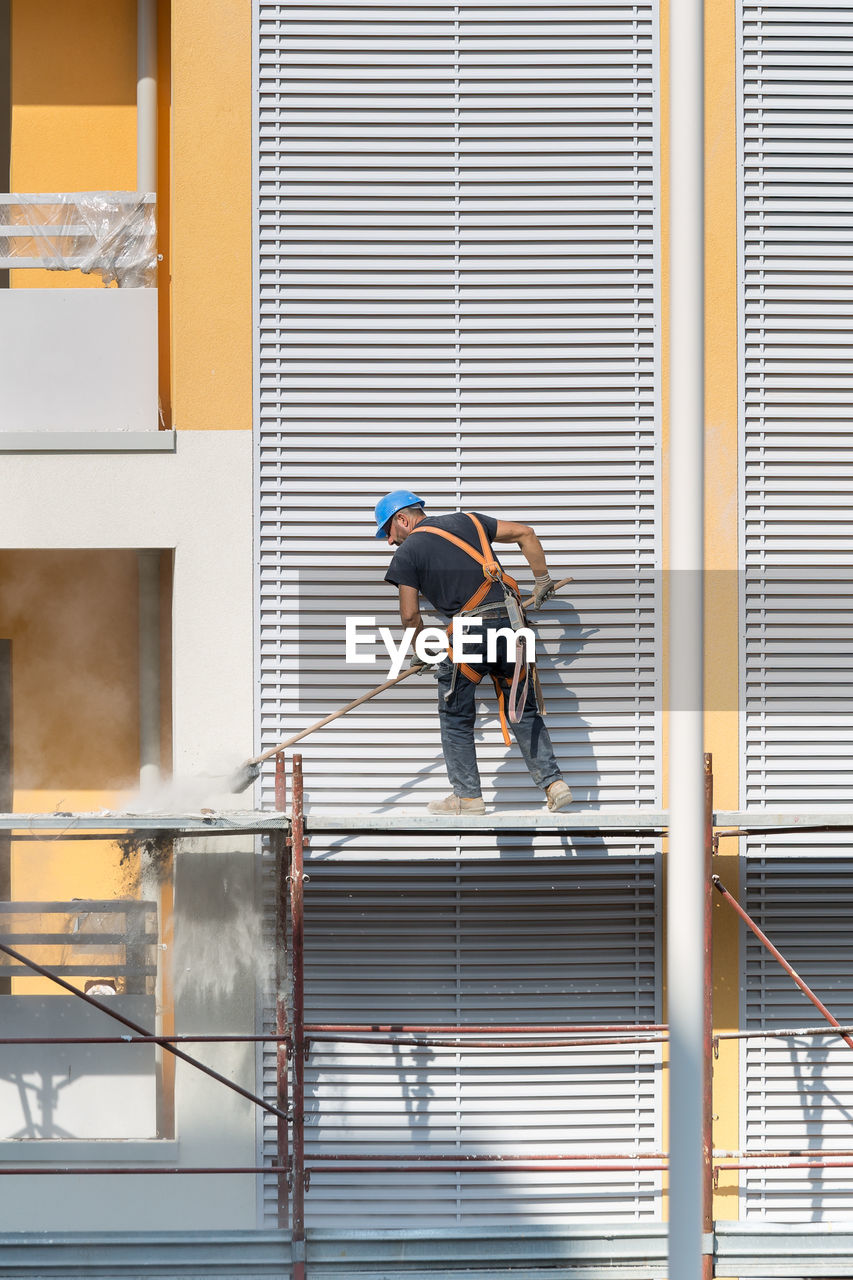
(288, 827)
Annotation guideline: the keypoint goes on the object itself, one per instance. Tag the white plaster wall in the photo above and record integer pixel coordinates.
(197, 501)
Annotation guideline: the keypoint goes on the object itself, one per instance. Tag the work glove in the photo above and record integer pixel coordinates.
(422, 667)
(543, 589)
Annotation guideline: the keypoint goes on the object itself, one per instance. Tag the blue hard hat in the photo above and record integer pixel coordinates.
(389, 506)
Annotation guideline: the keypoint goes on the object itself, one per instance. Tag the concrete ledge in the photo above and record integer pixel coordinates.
(88, 441)
(630, 1252)
(125, 1255)
(70, 1151)
(773, 1250)
(583, 1251)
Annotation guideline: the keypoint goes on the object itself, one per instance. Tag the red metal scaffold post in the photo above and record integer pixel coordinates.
(297, 933)
(282, 846)
(708, 1037)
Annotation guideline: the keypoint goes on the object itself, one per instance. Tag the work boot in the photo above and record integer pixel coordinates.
(559, 795)
(457, 804)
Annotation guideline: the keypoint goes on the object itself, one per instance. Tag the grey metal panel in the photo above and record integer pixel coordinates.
(470, 943)
(456, 290)
(796, 111)
(457, 240)
(798, 1093)
(796, 251)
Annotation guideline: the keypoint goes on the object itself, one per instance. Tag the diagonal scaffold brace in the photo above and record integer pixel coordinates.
(163, 1041)
(777, 955)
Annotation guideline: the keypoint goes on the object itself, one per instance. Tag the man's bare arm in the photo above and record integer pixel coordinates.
(410, 609)
(531, 547)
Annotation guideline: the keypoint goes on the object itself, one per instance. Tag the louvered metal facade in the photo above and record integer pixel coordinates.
(480, 943)
(799, 1093)
(457, 250)
(457, 240)
(796, 485)
(797, 264)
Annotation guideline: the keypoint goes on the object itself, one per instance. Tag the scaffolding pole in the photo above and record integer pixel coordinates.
(163, 1041)
(297, 935)
(708, 1035)
(294, 1035)
(281, 844)
(777, 955)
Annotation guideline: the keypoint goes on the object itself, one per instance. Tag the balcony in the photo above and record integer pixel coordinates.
(80, 365)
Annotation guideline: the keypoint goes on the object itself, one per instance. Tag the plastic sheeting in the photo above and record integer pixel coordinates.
(112, 234)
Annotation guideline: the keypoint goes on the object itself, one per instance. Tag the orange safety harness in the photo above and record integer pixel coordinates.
(492, 573)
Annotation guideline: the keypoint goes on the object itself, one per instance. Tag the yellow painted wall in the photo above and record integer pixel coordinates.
(73, 96)
(211, 214)
(73, 105)
(74, 129)
(721, 543)
(164, 207)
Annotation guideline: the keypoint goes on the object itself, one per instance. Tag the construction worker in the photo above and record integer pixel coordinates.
(432, 560)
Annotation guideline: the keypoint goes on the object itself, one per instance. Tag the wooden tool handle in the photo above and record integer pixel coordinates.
(563, 582)
(365, 697)
(341, 711)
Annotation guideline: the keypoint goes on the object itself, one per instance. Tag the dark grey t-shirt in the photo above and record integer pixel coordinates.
(443, 574)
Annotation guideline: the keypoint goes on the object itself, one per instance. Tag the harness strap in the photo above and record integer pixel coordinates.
(492, 573)
(499, 690)
(516, 703)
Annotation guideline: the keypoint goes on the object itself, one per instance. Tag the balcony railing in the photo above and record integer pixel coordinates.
(79, 361)
(110, 233)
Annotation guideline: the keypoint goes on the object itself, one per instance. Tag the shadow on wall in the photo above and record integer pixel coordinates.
(218, 953)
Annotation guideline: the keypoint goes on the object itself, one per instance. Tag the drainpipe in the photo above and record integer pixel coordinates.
(146, 95)
(148, 563)
(685, 862)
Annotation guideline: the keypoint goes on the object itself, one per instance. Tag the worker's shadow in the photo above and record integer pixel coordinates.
(567, 660)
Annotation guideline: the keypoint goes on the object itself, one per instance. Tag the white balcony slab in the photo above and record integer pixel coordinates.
(78, 360)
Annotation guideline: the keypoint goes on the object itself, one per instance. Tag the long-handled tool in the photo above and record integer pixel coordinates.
(250, 771)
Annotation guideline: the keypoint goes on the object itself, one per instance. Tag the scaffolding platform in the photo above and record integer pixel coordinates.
(641, 822)
(256, 822)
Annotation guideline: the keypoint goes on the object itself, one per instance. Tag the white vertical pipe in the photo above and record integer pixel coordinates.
(146, 95)
(685, 886)
(148, 563)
